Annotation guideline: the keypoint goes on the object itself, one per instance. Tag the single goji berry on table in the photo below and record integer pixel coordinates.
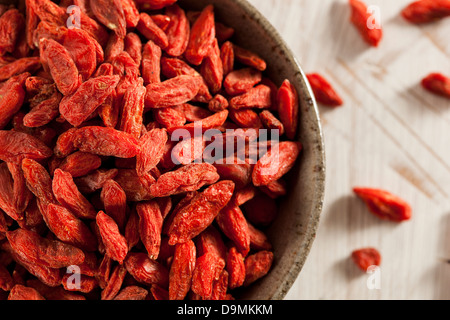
(323, 91)
(384, 204)
(361, 18)
(426, 11)
(437, 83)
(366, 257)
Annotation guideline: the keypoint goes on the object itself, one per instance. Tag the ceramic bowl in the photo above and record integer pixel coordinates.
(294, 230)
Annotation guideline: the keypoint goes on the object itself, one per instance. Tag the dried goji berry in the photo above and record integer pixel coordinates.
(366, 257)
(323, 91)
(133, 108)
(132, 293)
(249, 58)
(360, 18)
(426, 11)
(208, 268)
(114, 201)
(288, 108)
(190, 177)
(132, 184)
(131, 13)
(151, 31)
(68, 228)
(49, 253)
(18, 66)
(49, 276)
(240, 81)
(82, 283)
(384, 204)
(150, 226)
(211, 68)
(68, 195)
(173, 91)
(110, 13)
(145, 270)
(61, 66)
(151, 63)
(77, 107)
(177, 30)
(11, 26)
(155, 4)
(218, 103)
(257, 265)
(133, 45)
(21, 194)
(12, 96)
(201, 37)
(105, 141)
(437, 83)
(270, 122)
(169, 117)
(200, 212)
(20, 292)
(181, 270)
(115, 282)
(86, 52)
(233, 224)
(115, 243)
(236, 268)
(151, 150)
(245, 118)
(276, 162)
(44, 112)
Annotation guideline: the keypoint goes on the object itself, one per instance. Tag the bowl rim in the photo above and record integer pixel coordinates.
(305, 243)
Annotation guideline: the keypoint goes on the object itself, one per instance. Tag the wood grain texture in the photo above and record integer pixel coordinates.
(391, 134)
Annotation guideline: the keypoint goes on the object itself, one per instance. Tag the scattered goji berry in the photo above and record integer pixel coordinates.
(426, 11)
(437, 83)
(384, 204)
(366, 257)
(360, 18)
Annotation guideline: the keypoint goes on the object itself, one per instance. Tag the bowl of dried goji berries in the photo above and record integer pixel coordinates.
(153, 150)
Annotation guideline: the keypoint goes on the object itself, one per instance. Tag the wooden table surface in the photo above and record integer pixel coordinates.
(391, 134)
